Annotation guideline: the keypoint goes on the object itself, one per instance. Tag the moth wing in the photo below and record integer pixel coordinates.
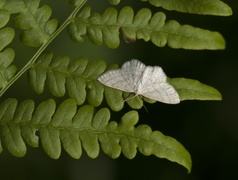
(154, 86)
(133, 70)
(116, 79)
(162, 92)
(126, 78)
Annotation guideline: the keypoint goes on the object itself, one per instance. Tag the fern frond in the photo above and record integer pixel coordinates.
(82, 128)
(79, 78)
(144, 26)
(207, 7)
(61, 74)
(33, 20)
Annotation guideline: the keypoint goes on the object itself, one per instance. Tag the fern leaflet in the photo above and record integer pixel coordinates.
(82, 128)
(143, 25)
(79, 78)
(35, 23)
(208, 7)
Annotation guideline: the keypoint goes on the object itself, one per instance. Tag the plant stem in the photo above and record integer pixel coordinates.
(42, 48)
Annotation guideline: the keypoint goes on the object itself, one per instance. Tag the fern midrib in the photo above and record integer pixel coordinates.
(43, 47)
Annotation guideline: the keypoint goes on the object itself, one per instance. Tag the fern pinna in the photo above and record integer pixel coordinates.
(80, 121)
(82, 128)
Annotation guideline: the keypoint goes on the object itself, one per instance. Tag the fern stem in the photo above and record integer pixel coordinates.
(42, 48)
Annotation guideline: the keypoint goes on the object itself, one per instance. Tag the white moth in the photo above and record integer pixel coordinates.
(143, 80)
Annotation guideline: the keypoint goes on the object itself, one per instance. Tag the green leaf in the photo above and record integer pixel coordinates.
(44, 112)
(95, 93)
(128, 121)
(90, 143)
(142, 25)
(15, 6)
(82, 128)
(49, 136)
(29, 135)
(7, 71)
(23, 115)
(207, 7)
(152, 142)
(77, 28)
(56, 73)
(76, 87)
(69, 138)
(114, 2)
(11, 138)
(114, 98)
(4, 18)
(6, 37)
(82, 121)
(71, 143)
(79, 77)
(162, 146)
(94, 69)
(189, 89)
(99, 28)
(38, 72)
(9, 131)
(64, 114)
(35, 23)
(188, 37)
(8, 107)
(101, 119)
(50, 141)
(83, 117)
(110, 143)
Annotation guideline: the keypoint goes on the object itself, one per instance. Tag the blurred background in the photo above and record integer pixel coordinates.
(208, 129)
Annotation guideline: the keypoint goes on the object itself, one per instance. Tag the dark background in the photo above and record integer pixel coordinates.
(208, 129)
